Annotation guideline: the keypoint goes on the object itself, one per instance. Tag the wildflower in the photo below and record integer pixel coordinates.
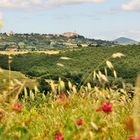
(58, 136)
(129, 124)
(62, 96)
(17, 107)
(106, 107)
(135, 138)
(80, 122)
(99, 109)
(132, 138)
(138, 137)
(63, 100)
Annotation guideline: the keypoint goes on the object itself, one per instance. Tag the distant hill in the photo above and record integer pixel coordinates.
(35, 41)
(125, 41)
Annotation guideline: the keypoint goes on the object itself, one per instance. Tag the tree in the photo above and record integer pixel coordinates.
(21, 45)
(79, 45)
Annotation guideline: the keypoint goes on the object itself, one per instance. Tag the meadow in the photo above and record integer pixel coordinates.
(68, 117)
(74, 107)
(85, 114)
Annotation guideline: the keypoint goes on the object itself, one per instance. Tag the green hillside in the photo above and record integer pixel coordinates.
(16, 78)
(36, 41)
(4, 78)
(82, 61)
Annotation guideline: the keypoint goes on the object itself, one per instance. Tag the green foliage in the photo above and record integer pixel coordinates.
(82, 61)
(41, 116)
(47, 41)
(4, 78)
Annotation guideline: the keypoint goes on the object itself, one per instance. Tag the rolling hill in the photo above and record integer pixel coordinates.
(82, 60)
(39, 42)
(125, 41)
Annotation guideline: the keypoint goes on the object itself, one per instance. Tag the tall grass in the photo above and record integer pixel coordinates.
(69, 112)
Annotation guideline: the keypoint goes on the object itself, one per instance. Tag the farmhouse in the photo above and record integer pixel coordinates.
(70, 34)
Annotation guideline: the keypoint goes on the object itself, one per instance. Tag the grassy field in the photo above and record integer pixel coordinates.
(16, 78)
(69, 111)
(89, 114)
(4, 78)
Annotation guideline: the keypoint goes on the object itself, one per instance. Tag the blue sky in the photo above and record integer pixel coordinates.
(104, 19)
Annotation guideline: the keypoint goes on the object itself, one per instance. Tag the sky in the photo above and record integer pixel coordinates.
(99, 19)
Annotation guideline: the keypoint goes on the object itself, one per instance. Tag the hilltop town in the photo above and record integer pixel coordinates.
(35, 41)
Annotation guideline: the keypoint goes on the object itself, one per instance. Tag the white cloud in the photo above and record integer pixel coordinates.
(24, 4)
(21, 3)
(71, 2)
(133, 5)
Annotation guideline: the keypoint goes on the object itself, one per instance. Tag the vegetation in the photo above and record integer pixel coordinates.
(69, 117)
(11, 81)
(4, 78)
(82, 95)
(46, 41)
(77, 64)
(89, 113)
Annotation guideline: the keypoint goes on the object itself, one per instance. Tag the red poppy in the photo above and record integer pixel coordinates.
(99, 109)
(132, 138)
(17, 107)
(80, 122)
(106, 107)
(138, 137)
(62, 96)
(58, 136)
